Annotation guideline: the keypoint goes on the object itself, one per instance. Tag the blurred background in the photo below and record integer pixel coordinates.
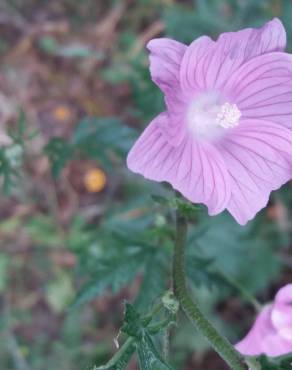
(77, 230)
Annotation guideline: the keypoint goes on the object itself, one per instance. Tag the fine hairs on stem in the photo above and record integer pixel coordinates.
(220, 344)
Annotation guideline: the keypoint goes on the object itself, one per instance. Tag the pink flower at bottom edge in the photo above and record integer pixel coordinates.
(225, 138)
(271, 333)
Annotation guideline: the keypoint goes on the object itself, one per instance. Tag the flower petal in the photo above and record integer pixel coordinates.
(207, 64)
(194, 168)
(263, 338)
(284, 296)
(252, 344)
(274, 345)
(165, 59)
(281, 315)
(258, 156)
(193, 65)
(262, 88)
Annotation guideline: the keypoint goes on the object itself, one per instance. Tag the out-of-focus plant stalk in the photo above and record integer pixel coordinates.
(241, 289)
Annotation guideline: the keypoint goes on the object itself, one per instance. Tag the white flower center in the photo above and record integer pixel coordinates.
(207, 116)
(228, 116)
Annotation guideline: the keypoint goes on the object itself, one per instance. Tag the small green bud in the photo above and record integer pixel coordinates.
(170, 302)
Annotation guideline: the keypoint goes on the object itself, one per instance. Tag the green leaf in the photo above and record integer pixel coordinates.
(187, 208)
(154, 282)
(132, 325)
(234, 249)
(43, 231)
(21, 124)
(59, 152)
(13, 154)
(160, 200)
(74, 50)
(18, 135)
(4, 263)
(276, 363)
(199, 270)
(77, 50)
(10, 163)
(148, 99)
(149, 358)
(185, 24)
(48, 44)
(99, 138)
(60, 292)
(111, 274)
(136, 326)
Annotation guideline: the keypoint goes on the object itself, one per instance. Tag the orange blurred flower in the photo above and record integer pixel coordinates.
(62, 113)
(95, 180)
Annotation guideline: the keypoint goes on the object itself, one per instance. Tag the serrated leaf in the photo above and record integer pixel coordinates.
(136, 326)
(113, 275)
(132, 325)
(148, 356)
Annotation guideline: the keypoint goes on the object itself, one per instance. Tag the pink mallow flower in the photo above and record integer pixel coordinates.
(272, 332)
(225, 139)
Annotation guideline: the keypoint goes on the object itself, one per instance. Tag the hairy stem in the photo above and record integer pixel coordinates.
(220, 344)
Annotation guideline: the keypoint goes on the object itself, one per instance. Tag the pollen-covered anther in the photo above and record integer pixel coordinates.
(228, 116)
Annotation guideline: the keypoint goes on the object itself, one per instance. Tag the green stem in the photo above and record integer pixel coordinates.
(148, 317)
(165, 344)
(122, 356)
(253, 363)
(220, 344)
(155, 328)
